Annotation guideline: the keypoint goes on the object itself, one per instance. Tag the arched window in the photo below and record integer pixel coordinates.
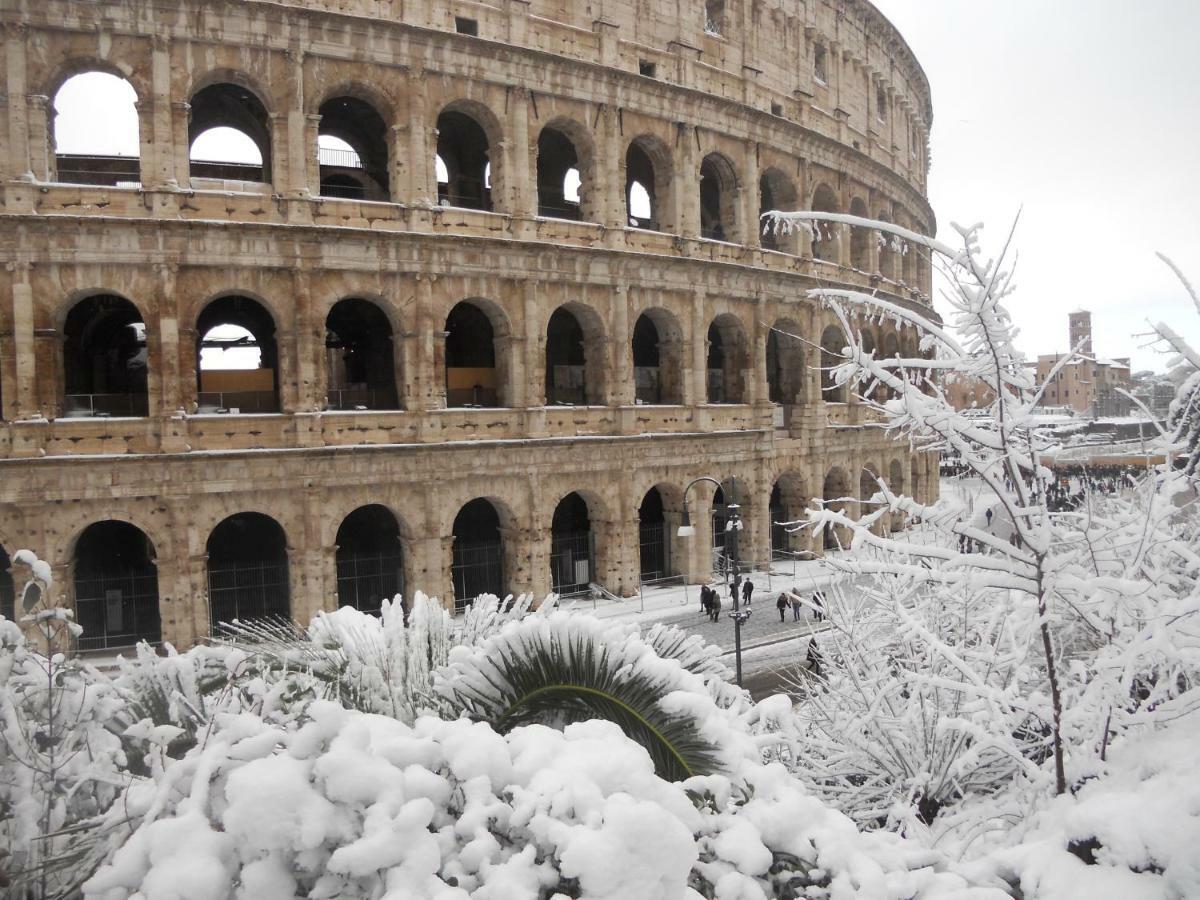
(236, 358)
(370, 560)
(559, 179)
(116, 587)
(360, 357)
(647, 184)
(352, 149)
(229, 133)
(478, 564)
(574, 357)
(654, 545)
(718, 199)
(835, 489)
(247, 571)
(104, 359)
(572, 550)
(825, 243)
(657, 362)
(726, 360)
(860, 238)
(832, 344)
(714, 17)
(472, 377)
(776, 193)
(785, 363)
(462, 148)
(95, 131)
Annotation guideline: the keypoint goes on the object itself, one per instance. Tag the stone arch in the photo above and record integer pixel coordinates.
(785, 363)
(573, 543)
(248, 576)
(833, 342)
(648, 167)
(369, 558)
(477, 354)
(575, 364)
(728, 360)
(835, 489)
(777, 193)
(718, 198)
(732, 490)
(115, 582)
(826, 240)
(657, 346)
(661, 554)
(467, 132)
(87, 91)
(360, 356)
(356, 118)
(860, 238)
(566, 163)
(787, 503)
(887, 249)
(240, 323)
(479, 562)
(105, 358)
(868, 485)
(230, 100)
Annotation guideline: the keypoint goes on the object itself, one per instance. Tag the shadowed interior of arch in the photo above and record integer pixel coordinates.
(352, 150)
(247, 570)
(463, 154)
(369, 558)
(104, 359)
(360, 357)
(558, 176)
(572, 547)
(236, 358)
(229, 136)
(116, 587)
(477, 564)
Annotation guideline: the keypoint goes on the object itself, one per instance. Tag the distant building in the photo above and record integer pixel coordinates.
(969, 393)
(1089, 385)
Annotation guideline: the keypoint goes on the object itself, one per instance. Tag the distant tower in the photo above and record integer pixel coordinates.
(1081, 330)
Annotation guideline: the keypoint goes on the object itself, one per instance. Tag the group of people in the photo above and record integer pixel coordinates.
(710, 599)
(790, 598)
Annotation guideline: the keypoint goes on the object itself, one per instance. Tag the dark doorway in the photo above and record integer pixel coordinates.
(471, 376)
(462, 147)
(558, 176)
(370, 560)
(104, 359)
(566, 360)
(478, 564)
(116, 587)
(572, 552)
(653, 541)
(360, 357)
(237, 361)
(247, 570)
(352, 150)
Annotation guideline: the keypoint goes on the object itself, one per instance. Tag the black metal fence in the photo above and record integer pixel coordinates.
(572, 562)
(117, 609)
(102, 405)
(365, 580)
(477, 568)
(654, 550)
(237, 401)
(248, 591)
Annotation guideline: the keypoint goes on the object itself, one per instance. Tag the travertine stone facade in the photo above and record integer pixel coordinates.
(779, 103)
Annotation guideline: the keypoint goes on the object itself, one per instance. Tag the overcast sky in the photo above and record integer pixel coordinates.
(1084, 114)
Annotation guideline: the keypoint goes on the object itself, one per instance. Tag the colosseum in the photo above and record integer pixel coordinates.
(495, 276)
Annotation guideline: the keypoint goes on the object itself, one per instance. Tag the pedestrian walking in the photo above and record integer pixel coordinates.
(797, 605)
(715, 600)
(813, 658)
(781, 604)
(818, 602)
(747, 590)
(706, 595)
(735, 589)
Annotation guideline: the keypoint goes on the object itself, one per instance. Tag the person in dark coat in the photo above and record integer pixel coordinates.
(705, 601)
(714, 600)
(781, 604)
(747, 590)
(735, 589)
(813, 658)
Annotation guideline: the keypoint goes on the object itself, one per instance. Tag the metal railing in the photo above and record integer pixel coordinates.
(248, 591)
(572, 562)
(647, 384)
(235, 402)
(365, 580)
(564, 210)
(361, 397)
(117, 609)
(467, 193)
(654, 551)
(109, 171)
(566, 386)
(226, 171)
(345, 159)
(476, 568)
(472, 397)
(84, 406)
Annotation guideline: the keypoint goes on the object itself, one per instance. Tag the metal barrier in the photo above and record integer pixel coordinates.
(248, 590)
(117, 609)
(476, 568)
(234, 402)
(344, 159)
(83, 406)
(571, 563)
(365, 580)
(351, 398)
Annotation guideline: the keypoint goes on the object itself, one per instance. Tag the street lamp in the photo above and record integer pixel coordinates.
(733, 528)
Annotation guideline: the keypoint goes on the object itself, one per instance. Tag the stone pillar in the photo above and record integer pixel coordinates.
(535, 349)
(180, 146)
(617, 553)
(699, 563)
(608, 177)
(609, 41)
(310, 377)
(749, 197)
(290, 169)
(286, 376)
(517, 16)
(15, 162)
(699, 354)
(158, 159)
(41, 153)
(527, 560)
(421, 181)
(686, 215)
(621, 346)
(421, 389)
(24, 357)
(521, 196)
(281, 172)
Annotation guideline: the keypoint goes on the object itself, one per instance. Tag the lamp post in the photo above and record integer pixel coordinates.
(733, 528)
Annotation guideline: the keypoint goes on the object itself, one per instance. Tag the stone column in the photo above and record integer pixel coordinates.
(24, 356)
(15, 163)
(41, 154)
(517, 15)
(290, 169)
(310, 377)
(699, 355)
(751, 227)
(180, 146)
(699, 564)
(420, 390)
(686, 185)
(527, 560)
(535, 348)
(621, 347)
(608, 177)
(281, 172)
(158, 167)
(521, 197)
(421, 183)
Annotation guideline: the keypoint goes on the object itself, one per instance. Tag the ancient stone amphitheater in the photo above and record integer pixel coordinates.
(485, 296)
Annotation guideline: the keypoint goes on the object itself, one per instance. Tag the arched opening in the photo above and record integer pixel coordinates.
(654, 544)
(104, 359)
(887, 250)
(787, 504)
(478, 564)
(723, 536)
(832, 345)
(860, 238)
(780, 543)
(868, 485)
(866, 339)
(352, 150)
(910, 260)
(8, 593)
(835, 490)
(237, 361)
(116, 587)
(95, 131)
(825, 240)
(229, 133)
(370, 559)
(472, 376)
(726, 360)
(776, 193)
(785, 363)
(657, 362)
(360, 357)
(247, 570)
(574, 358)
(462, 147)
(891, 350)
(896, 486)
(646, 185)
(572, 548)
(559, 176)
(718, 198)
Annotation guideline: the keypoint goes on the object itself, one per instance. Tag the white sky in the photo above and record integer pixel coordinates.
(1085, 114)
